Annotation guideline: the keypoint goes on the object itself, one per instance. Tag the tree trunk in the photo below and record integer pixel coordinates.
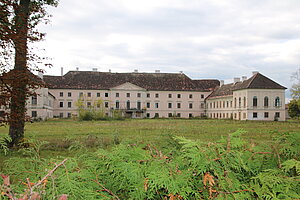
(20, 80)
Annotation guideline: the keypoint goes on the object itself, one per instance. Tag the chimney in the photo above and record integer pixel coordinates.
(94, 69)
(77, 68)
(236, 79)
(254, 72)
(109, 70)
(157, 71)
(244, 78)
(221, 82)
(181, 72)
(61, 71)
(135, 71)
(41, 75)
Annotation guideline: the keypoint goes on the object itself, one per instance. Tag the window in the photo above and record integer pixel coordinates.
(61, 104)
(254, 101)
(223, 104)
(98, 94)
(89, 104)
(178, 114)
(169, 105)
(190, 96)
(148, 104)
(277, 102)
(106, 94)
(202, 105)
(190, 115)
(156, 115)
(80, 94)
(98, 105)
(255, 115)
(34, 100)
(190, 105)
(138, 105)
(69, 104)
(244, 102)
(106, 104)
(127, 94)
(227, 104)
(178, 96)
(117, 95)
(61, 115)
(148, 115)
(170, 95)
(148, 95)
(89, 94)
(235, 102)
(128, 105)
(202, 96)
(266, 115)
(156, 95)
(61, 94)
(69, 94)
(277, 115)
(266, 102)
(178, 105)
(33, 114)
(170, 115)
(156, 105)
(117, 104)
(244, 115)
(138, 95)
(69, 115)
(240, 102)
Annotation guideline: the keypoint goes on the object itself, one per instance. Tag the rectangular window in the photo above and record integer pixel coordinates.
(277, 115)
(33, 114)
(156, 105)
(190, 96)
(156, 95)
(190, 115)
(34, 100)
(61, 115)
(127, 94)
(106, 94)
(202, 105)
(61, 104)
(138, 95)
(106, 104)
(266, 115)
(170, 95)
(148, 104)
(69, 104)
(80, 94)
(178, 114)
(190, 105)
(255, 115)
(138, 105)
(148, 95)
(61, 94)
(170, 115)
(202, 96)
(178, 96)
(69, 94)
(156, 115)
(89, 104)
(178, 105)
(69, 115)
(98, 94)
(89, 94)
(117, 104)
(169, 105)
(148, 115)
(117, 95)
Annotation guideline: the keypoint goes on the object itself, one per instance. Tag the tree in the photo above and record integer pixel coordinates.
(295, 90)
(18, 21)
(294, 108)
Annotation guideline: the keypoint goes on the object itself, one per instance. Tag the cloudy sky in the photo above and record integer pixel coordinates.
(203, 38)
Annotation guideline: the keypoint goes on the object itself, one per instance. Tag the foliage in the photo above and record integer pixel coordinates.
(294, 108)
(295, 90)
(231, 168)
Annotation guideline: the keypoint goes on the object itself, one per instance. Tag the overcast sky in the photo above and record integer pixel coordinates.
(203, 38)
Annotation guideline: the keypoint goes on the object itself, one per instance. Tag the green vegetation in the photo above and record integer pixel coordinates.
(155, 159)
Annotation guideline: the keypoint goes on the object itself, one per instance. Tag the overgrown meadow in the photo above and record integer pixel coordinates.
(153, 159)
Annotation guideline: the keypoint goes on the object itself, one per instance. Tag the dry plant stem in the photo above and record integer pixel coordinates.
(44, 178)
(105, 189)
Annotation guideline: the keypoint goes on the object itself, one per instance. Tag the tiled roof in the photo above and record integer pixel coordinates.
(149, 81)
(257, 81)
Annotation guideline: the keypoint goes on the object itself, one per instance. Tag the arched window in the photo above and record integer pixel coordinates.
(277, 102)
(240, 102)
(255, 101)
(128, 105)
(244, 102)
(266, 102)
(235, 102)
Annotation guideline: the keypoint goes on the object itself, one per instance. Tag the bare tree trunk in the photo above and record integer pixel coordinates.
(19, 85)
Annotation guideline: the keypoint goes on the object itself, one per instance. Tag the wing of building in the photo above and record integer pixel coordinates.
(148, 95)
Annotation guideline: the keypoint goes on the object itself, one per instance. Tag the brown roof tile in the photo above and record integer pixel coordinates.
(149, 81)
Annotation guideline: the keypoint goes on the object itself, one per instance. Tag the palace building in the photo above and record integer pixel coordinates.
(160, 95)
